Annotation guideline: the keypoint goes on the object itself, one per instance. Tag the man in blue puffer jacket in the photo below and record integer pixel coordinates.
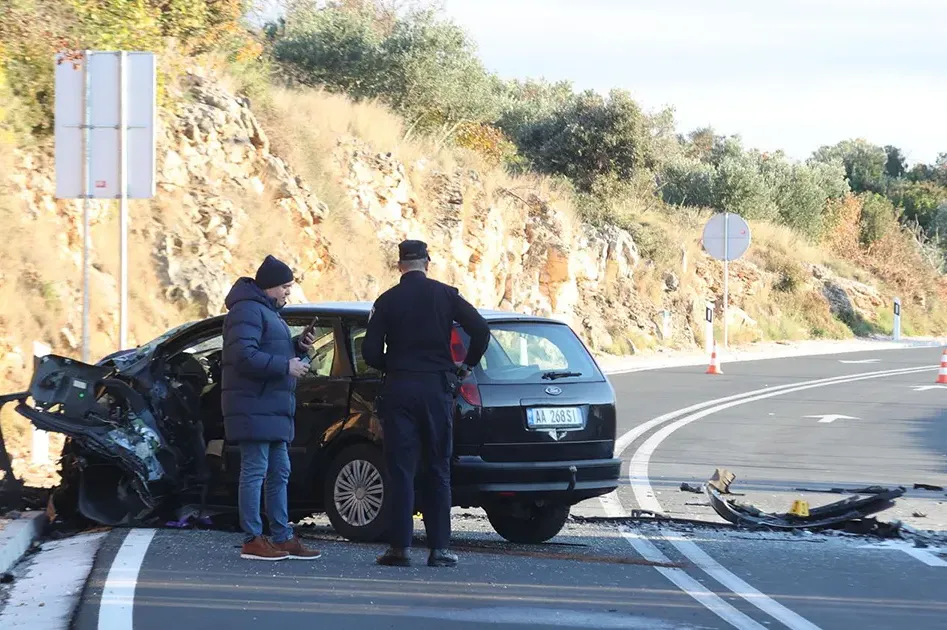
(260, 365)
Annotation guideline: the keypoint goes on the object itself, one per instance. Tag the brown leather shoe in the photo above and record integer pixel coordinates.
(295, 548)
(260, 549)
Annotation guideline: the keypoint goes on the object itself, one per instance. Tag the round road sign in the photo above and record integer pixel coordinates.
(726, 236)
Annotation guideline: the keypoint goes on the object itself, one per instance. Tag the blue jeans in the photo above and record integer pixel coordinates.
(269, 460)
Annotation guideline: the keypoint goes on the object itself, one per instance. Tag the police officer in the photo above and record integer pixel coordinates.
(415, 318)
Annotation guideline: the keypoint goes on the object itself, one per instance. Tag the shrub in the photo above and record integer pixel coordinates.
(592, 138)
(424, 68)
(877, 219)
(688, 182)
(487, 141)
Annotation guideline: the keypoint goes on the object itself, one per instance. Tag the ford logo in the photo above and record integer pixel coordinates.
(552, 390)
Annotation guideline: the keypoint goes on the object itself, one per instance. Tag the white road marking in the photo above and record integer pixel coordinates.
(641, 484)
(832, 417)
(717, 571)
(624, 441)
(710, 600)
(646, 499)
(925, 555)
(924, 388)
(117, 609)
(859, 361)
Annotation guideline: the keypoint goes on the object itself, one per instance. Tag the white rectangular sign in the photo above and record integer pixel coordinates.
(104, 106)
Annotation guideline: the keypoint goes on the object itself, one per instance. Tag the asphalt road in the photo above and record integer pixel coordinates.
(602, 575)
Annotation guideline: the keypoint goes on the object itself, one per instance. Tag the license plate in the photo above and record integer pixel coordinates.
(554, 418)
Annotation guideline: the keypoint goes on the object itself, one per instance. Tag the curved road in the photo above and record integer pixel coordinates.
(812, 422)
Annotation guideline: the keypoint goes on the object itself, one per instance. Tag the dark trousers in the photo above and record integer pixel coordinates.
(417, 417)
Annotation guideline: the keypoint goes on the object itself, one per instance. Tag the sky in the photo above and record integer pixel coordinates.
(783, 74)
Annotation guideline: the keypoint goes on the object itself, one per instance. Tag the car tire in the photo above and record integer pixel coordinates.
(529, 524)
(353, 486)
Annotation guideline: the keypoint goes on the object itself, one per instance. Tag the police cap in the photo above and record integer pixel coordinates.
(413, 250)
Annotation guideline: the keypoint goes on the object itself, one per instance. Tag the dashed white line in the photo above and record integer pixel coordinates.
(646, 499)
(117, 609)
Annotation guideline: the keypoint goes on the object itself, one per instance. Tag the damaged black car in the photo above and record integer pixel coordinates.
(534, 428)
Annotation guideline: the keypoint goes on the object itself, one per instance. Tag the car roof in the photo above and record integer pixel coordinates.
(363, 308)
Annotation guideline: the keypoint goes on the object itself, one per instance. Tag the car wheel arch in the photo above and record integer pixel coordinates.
(334, 448)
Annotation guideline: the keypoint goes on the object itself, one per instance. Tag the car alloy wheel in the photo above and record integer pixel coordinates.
(358, 492)
(353, 491)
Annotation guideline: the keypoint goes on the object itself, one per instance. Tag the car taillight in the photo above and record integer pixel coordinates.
(470, 392)
(457, 350)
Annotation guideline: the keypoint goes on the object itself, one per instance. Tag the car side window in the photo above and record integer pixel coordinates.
(322, 352)
(356, 337)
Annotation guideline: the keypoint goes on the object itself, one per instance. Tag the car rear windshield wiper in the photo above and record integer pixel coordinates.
(554, 375)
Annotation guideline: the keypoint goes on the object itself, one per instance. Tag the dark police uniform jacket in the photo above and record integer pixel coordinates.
(415, 318)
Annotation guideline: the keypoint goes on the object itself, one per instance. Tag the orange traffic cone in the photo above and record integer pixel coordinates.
(942, 372)
(714, 365)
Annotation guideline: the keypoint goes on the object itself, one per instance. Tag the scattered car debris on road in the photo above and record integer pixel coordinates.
(686, 487)
(926, 486)
(721, 480)
(833, 515)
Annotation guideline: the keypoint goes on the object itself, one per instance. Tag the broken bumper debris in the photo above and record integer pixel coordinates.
(854, 508)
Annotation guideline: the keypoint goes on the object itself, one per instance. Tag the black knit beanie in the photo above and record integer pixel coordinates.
(273, 273)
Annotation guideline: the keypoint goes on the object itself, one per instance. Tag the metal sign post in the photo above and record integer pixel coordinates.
(105, 147)
(726, 237)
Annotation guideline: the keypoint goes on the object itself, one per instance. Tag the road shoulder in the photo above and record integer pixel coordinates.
(48, 585)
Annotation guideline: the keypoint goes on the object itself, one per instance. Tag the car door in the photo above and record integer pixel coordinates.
(322, 398)
(366, 381)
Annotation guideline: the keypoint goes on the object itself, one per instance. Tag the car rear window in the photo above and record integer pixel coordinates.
(530, 352)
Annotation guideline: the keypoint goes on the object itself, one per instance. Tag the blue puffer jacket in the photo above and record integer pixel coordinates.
(258, 398)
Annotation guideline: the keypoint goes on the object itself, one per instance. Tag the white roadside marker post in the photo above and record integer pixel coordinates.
(39, 452)
(897, 319)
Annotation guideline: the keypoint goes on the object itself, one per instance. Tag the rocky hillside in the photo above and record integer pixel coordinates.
(220, 183)
(228, 193)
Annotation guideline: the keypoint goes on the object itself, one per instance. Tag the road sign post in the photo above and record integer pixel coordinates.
(726, 237)
(105, 147)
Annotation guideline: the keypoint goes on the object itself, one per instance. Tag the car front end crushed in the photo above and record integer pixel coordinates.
(132, 444)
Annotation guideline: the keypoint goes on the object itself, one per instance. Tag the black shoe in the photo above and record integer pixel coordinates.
(394, 558)
(441, 558)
